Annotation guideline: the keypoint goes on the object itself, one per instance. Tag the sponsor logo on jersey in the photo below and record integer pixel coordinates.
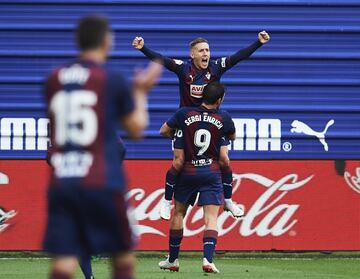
(196, 90)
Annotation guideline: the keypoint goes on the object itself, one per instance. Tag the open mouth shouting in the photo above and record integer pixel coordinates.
(204, 62)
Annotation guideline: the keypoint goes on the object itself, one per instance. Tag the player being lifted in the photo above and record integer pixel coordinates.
(193, 75)
(203, 128)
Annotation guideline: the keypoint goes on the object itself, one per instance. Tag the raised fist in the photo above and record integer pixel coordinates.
(138, 43)
(263, 37)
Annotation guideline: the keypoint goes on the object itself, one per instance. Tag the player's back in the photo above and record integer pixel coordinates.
(85, 102)
(202, 132)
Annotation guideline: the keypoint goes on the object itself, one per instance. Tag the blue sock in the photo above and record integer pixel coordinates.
(209, 240)
(226, 175)
(174, 244)
(171, 177)
(85, 265)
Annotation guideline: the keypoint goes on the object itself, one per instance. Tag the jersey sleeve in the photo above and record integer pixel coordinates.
(225, 63)
(172, 65)
(229, 126)
(174, 121)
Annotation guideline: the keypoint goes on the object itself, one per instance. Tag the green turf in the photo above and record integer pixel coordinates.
(284, 267)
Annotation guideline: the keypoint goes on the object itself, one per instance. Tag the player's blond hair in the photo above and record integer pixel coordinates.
(197, 41)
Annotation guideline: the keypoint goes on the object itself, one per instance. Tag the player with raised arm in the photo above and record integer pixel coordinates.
(203, 128)
(87, 213)
(193, 75)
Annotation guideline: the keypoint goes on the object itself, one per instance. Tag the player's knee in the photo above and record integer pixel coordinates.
(123, 265)
(179, 214)
(210, 223)
(125, 258)
(65, 265)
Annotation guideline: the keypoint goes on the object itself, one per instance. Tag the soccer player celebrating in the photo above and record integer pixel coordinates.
(193, 75)
(203, 128)
(86, 102)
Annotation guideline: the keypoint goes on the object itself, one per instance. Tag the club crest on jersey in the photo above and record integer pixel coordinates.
(196, 90)
(208, 75)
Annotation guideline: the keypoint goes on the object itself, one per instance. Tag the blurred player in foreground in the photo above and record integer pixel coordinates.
(86, 102)
(193, 76)
(203, 130)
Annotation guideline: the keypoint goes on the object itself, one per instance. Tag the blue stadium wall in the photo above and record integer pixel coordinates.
(309, 71)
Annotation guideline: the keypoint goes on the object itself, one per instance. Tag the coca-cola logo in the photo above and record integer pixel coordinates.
(353, 180)
(4, 214)
(276, 216)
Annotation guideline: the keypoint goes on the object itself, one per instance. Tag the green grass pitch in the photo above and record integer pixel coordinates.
(234, 265)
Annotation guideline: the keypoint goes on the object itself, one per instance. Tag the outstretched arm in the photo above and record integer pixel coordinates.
(167, 131)
(139, 44)
(263, 38)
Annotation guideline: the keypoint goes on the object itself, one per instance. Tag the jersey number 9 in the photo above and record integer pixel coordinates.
(202, 140)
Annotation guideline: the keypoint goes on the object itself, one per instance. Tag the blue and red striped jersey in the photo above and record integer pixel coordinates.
(85, 104)
(193, 80)
(202, 133)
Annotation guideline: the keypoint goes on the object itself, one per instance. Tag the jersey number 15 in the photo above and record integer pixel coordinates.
(75, 119)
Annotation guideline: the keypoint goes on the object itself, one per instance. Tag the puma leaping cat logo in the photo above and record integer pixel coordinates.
(301, 127)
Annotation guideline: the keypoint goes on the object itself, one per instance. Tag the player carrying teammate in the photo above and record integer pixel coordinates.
(193, 75)
(86, 102)
(203, 128)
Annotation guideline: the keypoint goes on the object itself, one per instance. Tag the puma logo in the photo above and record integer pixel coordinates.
(301, 127)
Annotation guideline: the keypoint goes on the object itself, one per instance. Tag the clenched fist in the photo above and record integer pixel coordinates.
(138, 43)
(263, 37)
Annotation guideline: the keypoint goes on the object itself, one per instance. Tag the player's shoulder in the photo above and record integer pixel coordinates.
(224, 113)
(114, 73)
(219, 62)
(183, 63)
(179, 62)
(184, 110)
(115, 77)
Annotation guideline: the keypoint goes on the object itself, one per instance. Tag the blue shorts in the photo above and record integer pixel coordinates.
(86, 221)
(207, 184)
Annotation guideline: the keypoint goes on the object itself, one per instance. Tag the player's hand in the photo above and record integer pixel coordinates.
(138, 43)
(146, 78)
(263, 37)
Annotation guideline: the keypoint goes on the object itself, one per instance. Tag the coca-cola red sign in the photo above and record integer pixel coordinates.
(290, 205)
